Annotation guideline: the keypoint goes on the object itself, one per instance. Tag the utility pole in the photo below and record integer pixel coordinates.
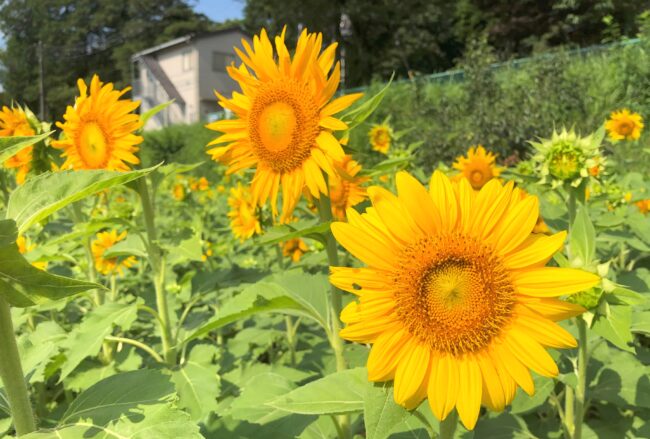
(41, 82)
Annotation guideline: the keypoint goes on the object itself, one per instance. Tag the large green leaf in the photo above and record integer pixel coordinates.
(357, 115)
(197, 382)
(380, 412)
(86, 339)
(583, 239)
(132, 405)
(258, 298)
(45, 194)
(21, 284)
(144, 117)
(10, 146)
(622, 381)
(251, 405)
(341, 392)
(613, 322)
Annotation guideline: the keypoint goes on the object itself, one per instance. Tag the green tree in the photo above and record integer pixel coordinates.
(79, 38)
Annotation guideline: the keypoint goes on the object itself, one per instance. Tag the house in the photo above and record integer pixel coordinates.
(188, 70)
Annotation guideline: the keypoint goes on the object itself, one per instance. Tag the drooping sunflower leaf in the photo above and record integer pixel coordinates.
(133, 405)
(47, 193)
(22, 284)
(341, 392)
(10, 146)
(285, 232)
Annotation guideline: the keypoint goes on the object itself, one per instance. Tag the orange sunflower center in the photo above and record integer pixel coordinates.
(93, 145)
(453, 293)
(283, 124)
(625, 127)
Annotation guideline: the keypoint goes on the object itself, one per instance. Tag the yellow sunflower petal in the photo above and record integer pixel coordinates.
(553, 281)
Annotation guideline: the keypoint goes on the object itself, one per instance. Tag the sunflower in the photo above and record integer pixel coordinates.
(478, 167)
(99, 129)
(380, 138)
(243, 218)
(455, 300)
(643, 205)
(624, 125)
(566, 158)
(201, 184)
(14, 122)
(284, 118)
(178, 192)
(294, 248)
(110, 266)
(345, 187)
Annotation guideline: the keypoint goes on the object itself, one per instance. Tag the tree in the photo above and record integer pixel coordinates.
(82, 37)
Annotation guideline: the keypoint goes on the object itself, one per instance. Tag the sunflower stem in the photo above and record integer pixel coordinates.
(11, 372)
(581, 388)
(325, 213)
(157, 262)
(448, 426)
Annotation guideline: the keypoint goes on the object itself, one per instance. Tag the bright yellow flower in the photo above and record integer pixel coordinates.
(345, 187)
(380, 138)
(25, 246)
(99, 129)
(627, 197)
(294, 248)
(14, 122)
(110, 266)
(221, 189)
(201, 184)
(624, 124)
(643, 205)
(284, 118)
(478, 167)
(455, 299)
(178, 192)
(243, 217)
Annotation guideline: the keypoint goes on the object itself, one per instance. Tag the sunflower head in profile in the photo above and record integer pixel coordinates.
(380, 138)
(110, 266)
(14, 122)
(624, 125)
(99, 130)
(479, 166)
(346, 188)
(284, 120)
(566, 157)
(455, 299)
(244, 221)
(294, 248)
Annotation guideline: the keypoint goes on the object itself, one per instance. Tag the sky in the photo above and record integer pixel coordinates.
(220, 10)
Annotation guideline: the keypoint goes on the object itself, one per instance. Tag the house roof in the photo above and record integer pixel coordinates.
(162, 77)
(185, 40)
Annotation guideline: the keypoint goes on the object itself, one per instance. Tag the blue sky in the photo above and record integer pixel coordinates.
(220, 10)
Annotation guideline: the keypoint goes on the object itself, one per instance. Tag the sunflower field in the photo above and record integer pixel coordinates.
(304, 282)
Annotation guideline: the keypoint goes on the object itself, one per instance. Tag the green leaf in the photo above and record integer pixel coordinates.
(86, 339)
(10, 146)
(132, 245)
(21, 284)
(133, 405)
(197, 382)
(258, 298)
(622, 381)
(503, 426)
(583, 239)
(47, 193)
(357, 115)
(285, 232)
(523, 403)
(251, 405)
(144, 117)
(613, 322)
(171, 169)
(380, 412)
(342, 392)
(310, 290)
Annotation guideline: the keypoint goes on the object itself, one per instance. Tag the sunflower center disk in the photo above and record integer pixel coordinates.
(93, 147)
(625, 128)
(283, 124)
(453, 293)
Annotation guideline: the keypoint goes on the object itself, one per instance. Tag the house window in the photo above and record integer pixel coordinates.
(221, 60)
(187, 61)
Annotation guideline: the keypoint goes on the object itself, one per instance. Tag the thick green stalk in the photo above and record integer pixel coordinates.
(157, 262)
(325, 212)
(11, 372)
(569, 406)
(581, 388)
(448, 426)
